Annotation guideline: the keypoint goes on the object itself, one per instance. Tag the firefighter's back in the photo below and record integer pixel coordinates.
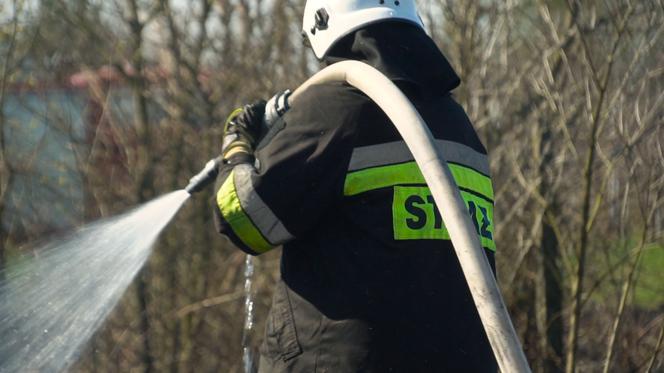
(376, 285)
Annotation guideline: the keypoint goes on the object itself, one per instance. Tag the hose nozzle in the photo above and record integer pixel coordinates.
(207, 176)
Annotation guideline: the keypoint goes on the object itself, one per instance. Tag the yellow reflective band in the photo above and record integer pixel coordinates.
(231, 210)
(409, 173)
(415, 216)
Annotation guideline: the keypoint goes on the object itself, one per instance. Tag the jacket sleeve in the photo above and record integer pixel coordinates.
(298, 173)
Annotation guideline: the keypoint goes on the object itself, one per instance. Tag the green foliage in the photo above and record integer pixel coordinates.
(612, 268)
(649, 288)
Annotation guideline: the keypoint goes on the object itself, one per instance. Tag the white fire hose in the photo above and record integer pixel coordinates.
(483, 287)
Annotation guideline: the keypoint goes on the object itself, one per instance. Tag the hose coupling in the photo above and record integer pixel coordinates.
(207, 176)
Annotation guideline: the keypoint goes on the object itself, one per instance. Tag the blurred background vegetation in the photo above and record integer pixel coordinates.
(106, 104)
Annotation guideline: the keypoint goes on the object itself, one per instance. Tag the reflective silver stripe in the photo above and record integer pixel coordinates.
(397, 152)
(259, 213)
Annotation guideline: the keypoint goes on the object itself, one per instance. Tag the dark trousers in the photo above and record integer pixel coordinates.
(299, 338)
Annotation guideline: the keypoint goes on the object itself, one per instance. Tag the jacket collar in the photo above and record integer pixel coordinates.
(401, 51)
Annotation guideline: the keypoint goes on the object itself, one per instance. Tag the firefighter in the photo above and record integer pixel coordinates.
(369, 279)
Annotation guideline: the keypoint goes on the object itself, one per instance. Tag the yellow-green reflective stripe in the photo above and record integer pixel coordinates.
(484, 223)
(415, 216)
(409, 173)
(231, 210)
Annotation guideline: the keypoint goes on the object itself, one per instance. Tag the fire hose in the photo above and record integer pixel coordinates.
(415, 133)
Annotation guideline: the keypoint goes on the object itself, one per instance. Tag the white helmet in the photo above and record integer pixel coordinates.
(327, 21)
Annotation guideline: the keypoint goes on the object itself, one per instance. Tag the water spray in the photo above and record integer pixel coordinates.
(51, 304)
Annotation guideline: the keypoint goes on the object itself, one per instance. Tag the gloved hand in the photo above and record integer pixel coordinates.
(243, 129)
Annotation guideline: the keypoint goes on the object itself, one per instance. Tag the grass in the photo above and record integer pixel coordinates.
(649, 289)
